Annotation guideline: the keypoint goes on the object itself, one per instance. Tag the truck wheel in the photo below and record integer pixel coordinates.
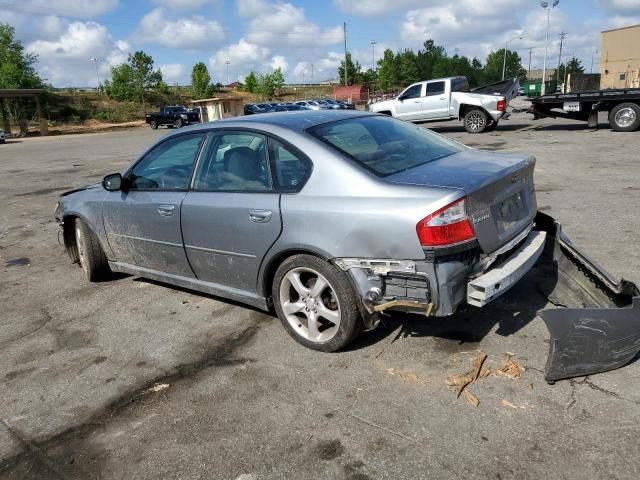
(476, 120)
(92, 258)
(178, 123)
(625, 117)
(316, 303)
(153, 124)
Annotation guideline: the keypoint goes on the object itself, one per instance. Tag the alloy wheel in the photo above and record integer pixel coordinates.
(310, 304)
(625, 117)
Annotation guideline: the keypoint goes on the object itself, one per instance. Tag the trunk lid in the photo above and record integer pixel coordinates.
(499, 188)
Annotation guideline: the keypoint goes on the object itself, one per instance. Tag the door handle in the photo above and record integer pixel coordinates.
(260, 216)
(416, 101)
(166, 210)
(443, 98)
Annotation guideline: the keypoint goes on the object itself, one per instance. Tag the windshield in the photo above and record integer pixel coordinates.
(383, 145)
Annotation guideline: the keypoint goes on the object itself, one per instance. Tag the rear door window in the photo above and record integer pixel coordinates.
(291, 169)
(435, 88)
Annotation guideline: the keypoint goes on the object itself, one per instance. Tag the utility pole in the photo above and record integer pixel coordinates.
(95, 64)
(345, 53)
(312, 73)
(227, 63)
(530, 56)
(373, 55)
(545, 4)
(562, 36)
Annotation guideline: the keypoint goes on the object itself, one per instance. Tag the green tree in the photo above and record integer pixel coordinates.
(573, 66)
(130, 81)
(277, 78)
(200, 82)
(16, 66)
(407, 65)
(266, 88)
(353, 71)
(251, 82)
(387, 71)
(514, 68)
(430, 60)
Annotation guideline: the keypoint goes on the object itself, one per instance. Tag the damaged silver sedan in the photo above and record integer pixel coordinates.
(332, 217)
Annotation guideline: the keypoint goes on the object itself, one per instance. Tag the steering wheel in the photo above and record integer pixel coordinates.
(174, 171)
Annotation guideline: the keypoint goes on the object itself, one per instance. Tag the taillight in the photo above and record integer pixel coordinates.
(448, 226)
(502, 105)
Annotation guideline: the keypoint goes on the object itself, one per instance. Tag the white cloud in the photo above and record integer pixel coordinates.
(172, 72)
(242, 57)
(182, 4)
(630, 7)
(372, 8)
(278, 61)
(65, 61)
(284, 25)
(191, 33)
(67, 8)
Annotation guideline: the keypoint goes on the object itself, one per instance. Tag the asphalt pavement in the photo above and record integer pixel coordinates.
(128, 378)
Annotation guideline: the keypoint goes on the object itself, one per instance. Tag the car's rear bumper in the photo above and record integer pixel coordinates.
(493, 283)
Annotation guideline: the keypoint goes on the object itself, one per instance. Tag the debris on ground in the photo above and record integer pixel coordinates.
(410, 377)
(461, 382)
(511, 369)
(158, 387)
(508, 404)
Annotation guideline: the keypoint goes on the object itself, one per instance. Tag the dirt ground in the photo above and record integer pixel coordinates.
(131, 379)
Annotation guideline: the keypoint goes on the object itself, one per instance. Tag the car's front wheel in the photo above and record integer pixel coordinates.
(178, 123)
(90, 254)
(316, 303)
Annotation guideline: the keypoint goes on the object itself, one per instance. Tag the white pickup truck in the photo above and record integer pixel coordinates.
(449, 99)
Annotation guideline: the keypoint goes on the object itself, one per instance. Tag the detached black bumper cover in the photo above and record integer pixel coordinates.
(596, 327)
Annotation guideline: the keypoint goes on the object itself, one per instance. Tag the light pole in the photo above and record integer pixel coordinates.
(373, 55)
(504, 62)
(545, 5)
(95, 64)
(593, 52)
(227, 63)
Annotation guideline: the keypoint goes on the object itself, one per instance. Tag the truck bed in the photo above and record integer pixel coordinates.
(617, 94)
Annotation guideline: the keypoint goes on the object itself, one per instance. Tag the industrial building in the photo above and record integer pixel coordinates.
(620, 58)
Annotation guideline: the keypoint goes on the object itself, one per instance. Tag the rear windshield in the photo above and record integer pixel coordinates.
(383, 145)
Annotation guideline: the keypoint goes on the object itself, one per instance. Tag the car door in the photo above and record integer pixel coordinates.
(231, 216)
(408, 105)
(142, 222)
(435, 102)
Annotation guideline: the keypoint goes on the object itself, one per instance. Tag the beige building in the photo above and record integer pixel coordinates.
(220, 107)
(620, 58)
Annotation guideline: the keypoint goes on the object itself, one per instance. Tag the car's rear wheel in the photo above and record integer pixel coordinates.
(153, 124)
(316, 303)
(625, 117)
(90, 254)
(475, 120)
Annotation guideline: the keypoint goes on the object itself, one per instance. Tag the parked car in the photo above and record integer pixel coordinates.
(333, 217)
(2, 136)
(327, 104)
(266, 107)
(252, 109)
(450, 99)
(172, 116)
(310, 104)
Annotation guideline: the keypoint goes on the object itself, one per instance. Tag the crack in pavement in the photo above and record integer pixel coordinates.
(220, 354)
(586, 381)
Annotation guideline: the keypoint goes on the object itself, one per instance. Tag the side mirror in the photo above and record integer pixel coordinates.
(401, 97)
(112, 182)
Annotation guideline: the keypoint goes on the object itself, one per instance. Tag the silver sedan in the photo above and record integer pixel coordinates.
(331, 217)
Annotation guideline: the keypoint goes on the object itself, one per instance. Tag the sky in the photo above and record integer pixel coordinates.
(303, 37)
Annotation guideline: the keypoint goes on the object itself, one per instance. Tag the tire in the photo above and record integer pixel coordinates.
(476, 120)
(91, 256)
(153, 124)
(178, 123)
(326, 320)
(625, 117)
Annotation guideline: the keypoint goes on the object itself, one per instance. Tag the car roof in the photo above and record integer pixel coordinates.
(297, 120)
